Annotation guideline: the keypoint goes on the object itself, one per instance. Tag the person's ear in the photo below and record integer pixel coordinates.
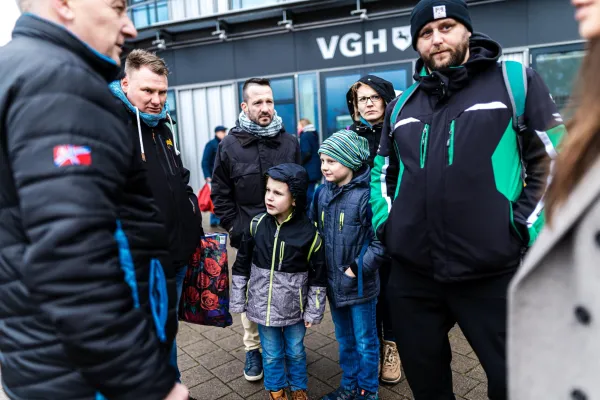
(125, 84)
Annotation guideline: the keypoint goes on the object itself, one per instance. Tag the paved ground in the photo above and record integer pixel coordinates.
(212, 362)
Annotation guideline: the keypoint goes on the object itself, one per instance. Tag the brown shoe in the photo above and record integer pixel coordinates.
(299, 395)
(279, 395)
(390, 365)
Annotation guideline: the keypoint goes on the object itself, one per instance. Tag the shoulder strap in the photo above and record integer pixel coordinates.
(402, 100)
(515, 80)
(254, 223)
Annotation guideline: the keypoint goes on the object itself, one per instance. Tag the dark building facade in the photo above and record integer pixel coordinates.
(313, 50)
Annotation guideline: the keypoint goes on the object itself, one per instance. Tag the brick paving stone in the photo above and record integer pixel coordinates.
(462, 364)
(317, 388)
(216, 334)
(196, 327)
(239, 329)
(210, 390)
(463, 384)
(478, 393)
(231, 342)
(244, 388)
(402, 389)
(335, 381)
(195, 376)
(316, 341)
(239, 353)
(229, 371)
(215, 359)
(478, 373)
(459, 345)
(330, 351)
(387, 394)
(187, 337)
(232, 396)
(262, 395)
(312, 356)
(324, 369)
(185, 362)
(200, 348)
(326, 327)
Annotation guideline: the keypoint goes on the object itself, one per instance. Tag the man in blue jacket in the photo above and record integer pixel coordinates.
(309, 152)
(208, 162)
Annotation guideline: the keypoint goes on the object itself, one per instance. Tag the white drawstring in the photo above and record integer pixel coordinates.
(137, 114)
(174, 135)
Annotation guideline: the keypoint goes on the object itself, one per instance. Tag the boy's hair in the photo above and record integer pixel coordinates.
(295, 176)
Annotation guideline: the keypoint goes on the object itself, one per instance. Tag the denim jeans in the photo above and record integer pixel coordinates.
(283, 349)
(179, 277)
(356, 333)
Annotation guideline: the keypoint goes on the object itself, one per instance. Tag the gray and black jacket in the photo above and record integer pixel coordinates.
(281, 269)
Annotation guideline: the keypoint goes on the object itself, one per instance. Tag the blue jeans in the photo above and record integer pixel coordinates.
(179, 277)
(356, 333)
(283, 349)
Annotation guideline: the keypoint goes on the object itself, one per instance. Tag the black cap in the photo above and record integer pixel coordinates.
(220, 128)
(430, 10)
(296, 178)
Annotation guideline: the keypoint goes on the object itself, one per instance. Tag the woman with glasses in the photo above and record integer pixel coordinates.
(367, 100)
(554, 302)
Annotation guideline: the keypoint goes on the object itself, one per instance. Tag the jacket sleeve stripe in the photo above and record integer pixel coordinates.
(381, 203)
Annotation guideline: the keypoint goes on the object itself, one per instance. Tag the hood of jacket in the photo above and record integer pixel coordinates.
(296, 177)
(484, 52)
(383, 88)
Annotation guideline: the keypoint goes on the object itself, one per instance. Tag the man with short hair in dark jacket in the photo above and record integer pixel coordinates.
(143, 96)
(79, 238)
(309, 152)
(257, 143)
(208, 162)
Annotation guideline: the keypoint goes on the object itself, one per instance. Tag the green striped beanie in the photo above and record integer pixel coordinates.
(347, 148)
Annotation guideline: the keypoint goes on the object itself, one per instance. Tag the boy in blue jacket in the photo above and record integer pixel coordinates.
(342, 214)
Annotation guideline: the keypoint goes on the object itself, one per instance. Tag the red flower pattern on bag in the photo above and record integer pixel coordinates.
(192, 295)
(209, 301)
(203, 281)
(211, 267)
(222, 283)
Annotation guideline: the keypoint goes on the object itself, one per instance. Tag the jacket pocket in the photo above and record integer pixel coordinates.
(281, 254)
(424, 143)
(450, 143)
(301, 300)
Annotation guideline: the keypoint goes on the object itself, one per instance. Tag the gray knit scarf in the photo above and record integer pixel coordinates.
(262, 131)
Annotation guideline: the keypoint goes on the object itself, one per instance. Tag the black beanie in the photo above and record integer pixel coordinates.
(430, 10)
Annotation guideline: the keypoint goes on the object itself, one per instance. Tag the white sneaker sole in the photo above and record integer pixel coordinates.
(390, 382)
(254, 378)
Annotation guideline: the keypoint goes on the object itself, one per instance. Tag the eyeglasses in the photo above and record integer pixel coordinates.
(374, 99)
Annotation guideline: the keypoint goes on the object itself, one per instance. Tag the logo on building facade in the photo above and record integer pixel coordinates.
(354, 45)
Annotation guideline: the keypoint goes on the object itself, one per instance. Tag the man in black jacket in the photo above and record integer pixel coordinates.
(143, 94)
(79, 238)
(257, 143)
(449, 200)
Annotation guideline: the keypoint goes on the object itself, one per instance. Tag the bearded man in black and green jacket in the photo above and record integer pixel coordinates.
(457, 196)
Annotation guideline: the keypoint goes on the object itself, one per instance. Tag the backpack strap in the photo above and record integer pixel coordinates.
(254, 223)
(515, 80)
(402, 100)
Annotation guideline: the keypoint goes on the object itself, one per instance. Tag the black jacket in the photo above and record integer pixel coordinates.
(447, 194)
(68, 326)
(371, 132)
(238, 185)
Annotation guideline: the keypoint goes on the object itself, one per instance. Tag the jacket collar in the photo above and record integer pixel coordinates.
(582, 197)
(362, 178)
(32, 26)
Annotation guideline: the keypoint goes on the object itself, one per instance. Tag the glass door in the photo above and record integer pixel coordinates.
(336, 84)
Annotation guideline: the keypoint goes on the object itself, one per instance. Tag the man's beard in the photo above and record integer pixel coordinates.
(257, 120)
(457, 57)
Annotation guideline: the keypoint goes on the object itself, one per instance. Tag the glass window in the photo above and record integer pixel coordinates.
(558, 69)
(144, 13)
(237, 4)
(336, 85)
(308, 101)
(285, 101)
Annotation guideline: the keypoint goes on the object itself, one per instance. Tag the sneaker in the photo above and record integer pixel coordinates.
(279, 395)
(299, 395)
(253, 371)
(390, 364)
(364, 395)
(341, 394)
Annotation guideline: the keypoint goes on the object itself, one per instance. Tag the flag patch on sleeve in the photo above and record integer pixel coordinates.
(67, 154)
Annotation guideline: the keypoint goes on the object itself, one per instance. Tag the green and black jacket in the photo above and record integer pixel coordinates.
(448, 194)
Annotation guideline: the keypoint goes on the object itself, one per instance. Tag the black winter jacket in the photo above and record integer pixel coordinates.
(176, 201)
(447, 192)
(68, 326)
(238, 185)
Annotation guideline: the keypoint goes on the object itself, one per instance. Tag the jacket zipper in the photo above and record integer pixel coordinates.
(424, 141)
(318, 302)
(341, 220)
(268, 319)
(165, 150)
(281, 252)
(301, 305)
(450, 144)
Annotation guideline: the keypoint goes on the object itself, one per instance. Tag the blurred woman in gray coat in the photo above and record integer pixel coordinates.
(554, 302)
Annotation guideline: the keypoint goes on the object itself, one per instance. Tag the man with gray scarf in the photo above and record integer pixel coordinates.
(257, 143)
